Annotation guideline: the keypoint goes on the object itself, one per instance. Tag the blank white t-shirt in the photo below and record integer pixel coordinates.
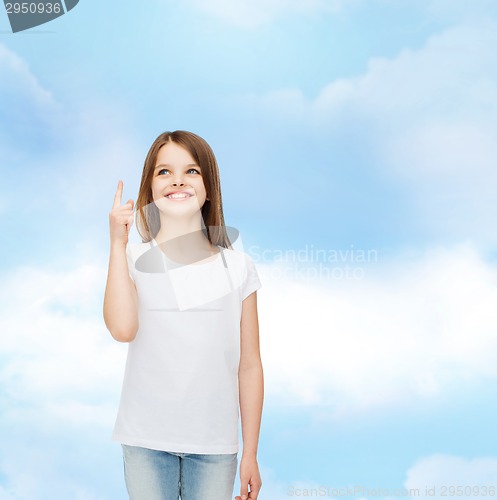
(180, 388)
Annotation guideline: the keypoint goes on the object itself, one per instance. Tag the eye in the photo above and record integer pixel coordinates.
(167, 170)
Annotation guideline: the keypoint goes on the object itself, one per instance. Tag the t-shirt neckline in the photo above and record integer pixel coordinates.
(199, 263)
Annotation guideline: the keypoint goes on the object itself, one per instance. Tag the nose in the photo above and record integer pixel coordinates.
(178, 181)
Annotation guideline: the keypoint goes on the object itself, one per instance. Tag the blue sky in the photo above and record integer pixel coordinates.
(338, 126)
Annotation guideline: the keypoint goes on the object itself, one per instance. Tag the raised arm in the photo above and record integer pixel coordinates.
(120, 301)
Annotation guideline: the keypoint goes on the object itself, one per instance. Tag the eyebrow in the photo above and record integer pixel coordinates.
(167, 165)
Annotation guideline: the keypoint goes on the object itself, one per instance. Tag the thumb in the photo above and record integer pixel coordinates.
(132, 203)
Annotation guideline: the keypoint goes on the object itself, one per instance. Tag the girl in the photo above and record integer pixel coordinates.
(186, 303)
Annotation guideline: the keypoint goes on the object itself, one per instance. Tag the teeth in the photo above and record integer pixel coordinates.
(178, 195)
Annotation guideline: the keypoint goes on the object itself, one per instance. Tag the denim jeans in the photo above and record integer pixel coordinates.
(161, 475)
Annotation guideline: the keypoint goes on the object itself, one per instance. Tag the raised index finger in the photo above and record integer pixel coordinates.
(118, 195)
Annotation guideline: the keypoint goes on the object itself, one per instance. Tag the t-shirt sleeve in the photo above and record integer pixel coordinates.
(251, 281)
(131, 264)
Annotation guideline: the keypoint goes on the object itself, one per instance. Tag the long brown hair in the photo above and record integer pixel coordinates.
(147, 213)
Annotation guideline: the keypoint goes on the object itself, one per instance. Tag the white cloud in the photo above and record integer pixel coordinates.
(429, 117)
(61, 376)
(58, 356)
(17, 78)
(411, 329)
(452, 76)
(83, 148)
(36, 473)
(27, 108)
(408, 331)
(433, 474)
(439, 472)
(61, 372)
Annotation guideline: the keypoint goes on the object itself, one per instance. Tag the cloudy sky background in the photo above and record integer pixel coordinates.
(363, 129)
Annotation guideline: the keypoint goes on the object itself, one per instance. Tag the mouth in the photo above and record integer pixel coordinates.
(178, 196)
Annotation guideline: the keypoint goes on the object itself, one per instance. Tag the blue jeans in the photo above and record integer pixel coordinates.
(161, 475)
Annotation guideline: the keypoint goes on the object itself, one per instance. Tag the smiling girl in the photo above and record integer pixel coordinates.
(186, 303)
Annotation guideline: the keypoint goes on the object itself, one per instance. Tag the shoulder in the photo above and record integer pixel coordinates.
(240, 263)
(135, 250)
(237, 257)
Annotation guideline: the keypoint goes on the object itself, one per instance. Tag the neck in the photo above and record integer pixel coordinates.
(183, 236)
(180, 228)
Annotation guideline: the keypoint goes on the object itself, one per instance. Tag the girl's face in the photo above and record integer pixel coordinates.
(176, 171)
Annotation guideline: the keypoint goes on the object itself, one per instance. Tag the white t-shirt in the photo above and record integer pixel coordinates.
(180, 388)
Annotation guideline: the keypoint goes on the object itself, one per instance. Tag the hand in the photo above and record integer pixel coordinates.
(249, 475)
(120, 217)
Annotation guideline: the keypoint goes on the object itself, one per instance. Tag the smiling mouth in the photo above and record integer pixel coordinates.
(179, 196)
